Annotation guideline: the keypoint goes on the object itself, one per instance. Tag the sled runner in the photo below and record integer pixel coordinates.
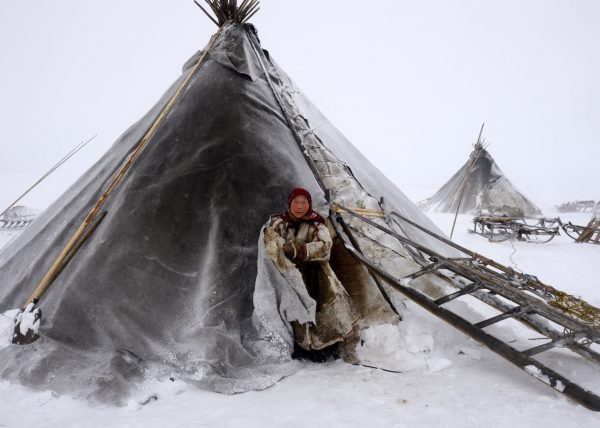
(498, 228)
(589, 233)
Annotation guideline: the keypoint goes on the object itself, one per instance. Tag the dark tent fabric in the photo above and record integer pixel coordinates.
(483, 187)
(165, 284)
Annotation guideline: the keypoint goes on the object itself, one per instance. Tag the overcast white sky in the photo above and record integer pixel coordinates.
(408, 82)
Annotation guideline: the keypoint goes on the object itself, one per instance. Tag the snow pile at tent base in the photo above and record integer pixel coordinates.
(164, 286)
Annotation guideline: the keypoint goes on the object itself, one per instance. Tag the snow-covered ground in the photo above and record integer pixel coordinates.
(447, 379)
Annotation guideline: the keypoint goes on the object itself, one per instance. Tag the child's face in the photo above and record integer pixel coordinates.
(299, 206)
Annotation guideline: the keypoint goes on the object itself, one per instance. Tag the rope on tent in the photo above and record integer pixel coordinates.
(479, 148)
(512, 244)
(68, 156)
(363, 211)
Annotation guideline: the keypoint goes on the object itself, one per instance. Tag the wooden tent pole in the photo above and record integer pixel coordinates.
(464, 183)
(50, 171)
(89, 220)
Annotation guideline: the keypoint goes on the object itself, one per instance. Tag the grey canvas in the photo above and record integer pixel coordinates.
(480, 185)
(165, 285)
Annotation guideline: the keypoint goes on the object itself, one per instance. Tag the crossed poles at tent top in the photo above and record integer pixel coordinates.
(228, 10)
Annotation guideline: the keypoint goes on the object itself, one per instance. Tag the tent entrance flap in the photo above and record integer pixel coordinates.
(372, 302)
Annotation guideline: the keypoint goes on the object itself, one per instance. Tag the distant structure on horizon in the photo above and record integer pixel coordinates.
(17, 218)
(576, 206)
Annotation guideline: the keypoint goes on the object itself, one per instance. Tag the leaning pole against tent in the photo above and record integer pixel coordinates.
(26, 332)
(463, 184)
(152, 257)
(174, 281)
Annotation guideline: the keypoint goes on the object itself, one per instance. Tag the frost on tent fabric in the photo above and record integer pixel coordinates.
(175, 281)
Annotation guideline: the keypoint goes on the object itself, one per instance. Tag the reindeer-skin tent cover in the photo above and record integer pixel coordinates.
(164, 286)
(480, 185)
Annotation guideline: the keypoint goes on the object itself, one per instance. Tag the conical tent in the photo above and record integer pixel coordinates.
(174, 280)
(480, 185)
